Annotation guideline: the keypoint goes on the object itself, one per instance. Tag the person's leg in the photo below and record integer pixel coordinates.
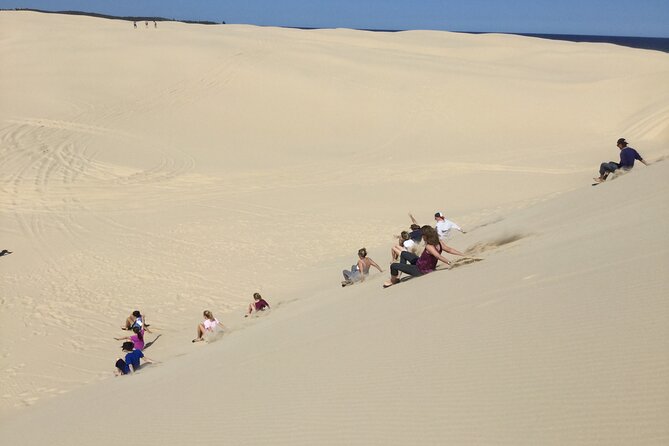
(395, 252)
(200, 333)
(395, 270)
(121, 367)
(605, 169)
(409, 269)
(408, 257)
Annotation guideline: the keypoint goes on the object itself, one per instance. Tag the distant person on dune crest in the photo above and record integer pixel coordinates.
(258, 304)
(210, 325)
(627, 157)
(359, 271)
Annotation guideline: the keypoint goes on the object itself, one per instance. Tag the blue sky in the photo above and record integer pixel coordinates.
(597, 17)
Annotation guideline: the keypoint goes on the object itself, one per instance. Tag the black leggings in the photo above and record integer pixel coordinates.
(407, 265)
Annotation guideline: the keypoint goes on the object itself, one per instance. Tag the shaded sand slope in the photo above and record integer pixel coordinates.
(559, 337)
(185, 167)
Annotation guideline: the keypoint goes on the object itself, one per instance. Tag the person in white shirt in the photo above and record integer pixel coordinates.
(444, 226)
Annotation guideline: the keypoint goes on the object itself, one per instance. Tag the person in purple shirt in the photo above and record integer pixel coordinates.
(627, 157)
(137, 339)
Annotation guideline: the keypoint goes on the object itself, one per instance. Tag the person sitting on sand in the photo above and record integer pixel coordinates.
(136, 319)
(404, 243)
(137, 339)
(4, 252)
(418, 266)
(209, 325)
(359, 271)
(258, 304)
(445, 226)
(131, 363)
(444, 246)
(627, 157)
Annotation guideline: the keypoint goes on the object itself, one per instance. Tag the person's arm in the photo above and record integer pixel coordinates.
(413, 220)
(123, 339)
(373, 263)
(450, 250)
(433, 251)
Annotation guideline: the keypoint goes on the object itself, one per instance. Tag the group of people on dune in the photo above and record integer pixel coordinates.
(416, 253)
(134, 344)
(406, 254)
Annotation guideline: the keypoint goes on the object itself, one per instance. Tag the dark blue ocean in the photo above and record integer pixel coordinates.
(646, 43)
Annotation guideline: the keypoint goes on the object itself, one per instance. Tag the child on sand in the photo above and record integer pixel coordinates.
(137, 339)
(136, 319)
(131, 363)
(404, 243)
(258, 304)
(209, 325)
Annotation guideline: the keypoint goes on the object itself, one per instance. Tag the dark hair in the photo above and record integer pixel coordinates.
(414, 227)
(404, 235)
(136, 329)
(136, 313)
(362, 252)
(128, 346)
(257, 296)
(430, 235)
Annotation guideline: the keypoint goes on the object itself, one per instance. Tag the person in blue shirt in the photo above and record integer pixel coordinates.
(131, 363)
(627, 157)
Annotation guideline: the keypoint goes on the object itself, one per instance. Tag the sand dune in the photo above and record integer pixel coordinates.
(185, 167)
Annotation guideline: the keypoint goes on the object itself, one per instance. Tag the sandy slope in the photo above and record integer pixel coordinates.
(184, 167)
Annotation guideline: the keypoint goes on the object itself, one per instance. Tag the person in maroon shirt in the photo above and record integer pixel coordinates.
(258, 304)
(418, 266)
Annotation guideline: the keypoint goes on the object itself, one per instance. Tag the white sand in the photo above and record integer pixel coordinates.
(183, 168)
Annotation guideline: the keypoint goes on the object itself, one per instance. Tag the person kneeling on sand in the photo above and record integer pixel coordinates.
(627, 157)
(258, 304)
(131, 363)
(417, 266)
(209, 325)
(359, 271)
